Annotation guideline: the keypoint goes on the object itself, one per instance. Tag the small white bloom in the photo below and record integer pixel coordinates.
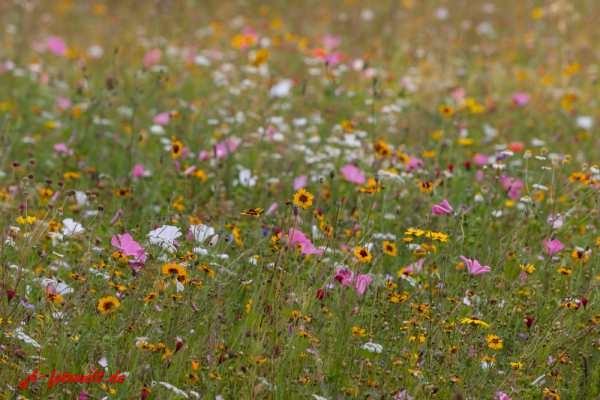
(165, 237)
(71, 227)
(478, 197)
(595, 169)
(525, 199)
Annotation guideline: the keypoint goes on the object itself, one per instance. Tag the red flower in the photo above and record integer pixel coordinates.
(468, 164)
(320, 294)
(528, 321)
(451, 167)
(178, 346)
(584, 301)
(10, 294)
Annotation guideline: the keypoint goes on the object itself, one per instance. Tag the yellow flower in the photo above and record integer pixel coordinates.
(363, 254)
(425, 187)
(173, 269)
(108, 304)
(446, 110)
(412, 232)
(356, 331)
(176, 148)
(303, 198)
(151, 296)
(494, 342)
(382, 149)
(54, 297)
(389, 248)
(473, 321)
(254, 212)
(529, 268)
(261, 57)
(565, 272)
(516, 365)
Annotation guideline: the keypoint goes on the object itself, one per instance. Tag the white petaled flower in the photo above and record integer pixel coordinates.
(372, 347)
(202, 232)
(9, 242)
(540, 187)
(508, 152)
(525, 199)
(540, 158)
(497, 214)
(478, 197)
(527, 154)
(165, 237)
(595, 169)
(71, 227)
(499, 166)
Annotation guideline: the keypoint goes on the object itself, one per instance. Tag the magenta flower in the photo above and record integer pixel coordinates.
(225, 147)
(362, 281)
(309, 248)
(443, 208)
(296, 237)
(413, 268)
(413, 164)
(344, 277)
(128, 246)
(553, 247)
(352, 174)
(521, 99)
(56, 45)
(474, 267)
(162, 118)
(299, 182)
(139, 172)
(152, 57)
(331, 41)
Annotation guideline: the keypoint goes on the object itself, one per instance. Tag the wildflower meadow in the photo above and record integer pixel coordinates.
(299, 199)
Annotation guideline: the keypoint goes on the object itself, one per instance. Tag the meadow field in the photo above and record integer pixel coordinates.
(299, 199)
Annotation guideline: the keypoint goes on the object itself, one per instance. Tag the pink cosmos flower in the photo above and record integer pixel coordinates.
(334, 58)
(296, 237)
(139, 172)
(521, 99)
(553, 247)
(352, 174)
(152, 57)
(309, 248)
(162, 118)
(443, 208)
(458, 93)
(480, 160)
(63, 102)
(414, 163)
(362, 281)
(56, 45)
(204, 155)
(299, 182)
(331, 41)
(128, 246)
(345, 277)
(62, 148)
(225, 147)
(189, 170)
(474, 267)
(273, 207)
(557, 221)
(413, 268)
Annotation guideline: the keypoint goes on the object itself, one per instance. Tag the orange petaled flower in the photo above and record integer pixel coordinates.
(389, 248)
(254, 212)
(176, 148)
(303, 198)
(108, 304)
(362, 254)
(446, 110)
